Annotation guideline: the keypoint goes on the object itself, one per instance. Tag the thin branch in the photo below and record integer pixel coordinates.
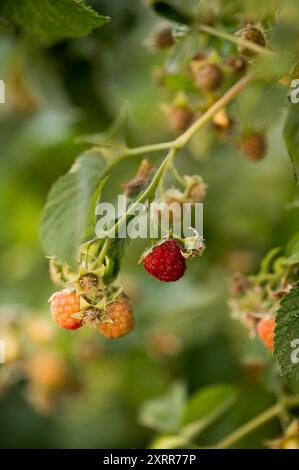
(177, 175)
(217, 106)
(173, 147)
(236, 40)
(103, 251)
(146, 194)
(272, 412)
(149, 148)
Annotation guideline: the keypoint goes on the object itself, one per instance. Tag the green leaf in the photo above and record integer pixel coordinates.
(292, 250)
(164, 413)
(52, 21)
(291, 136)
(286, 334)
(91, 218)
(69, 215)
(209, 404)
(293, 245)
(64, 217)
(293, 259)
(172, 10)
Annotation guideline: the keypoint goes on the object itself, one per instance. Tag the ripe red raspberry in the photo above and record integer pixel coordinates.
(64, 304)
(165, 261)
(121, 316)
(265, 329)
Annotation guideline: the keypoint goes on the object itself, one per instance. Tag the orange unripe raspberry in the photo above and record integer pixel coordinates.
(122, 320)
(265, 329)
(64, 305)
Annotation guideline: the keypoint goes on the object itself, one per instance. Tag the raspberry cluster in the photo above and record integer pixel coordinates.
(255, 303)
(71, 310)
(209, 72)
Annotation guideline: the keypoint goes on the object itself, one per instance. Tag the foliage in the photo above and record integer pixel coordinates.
(286, 334)
(190, 374)
(69, 18)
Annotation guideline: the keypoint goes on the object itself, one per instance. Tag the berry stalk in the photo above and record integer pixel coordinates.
(210, 113)
(174, 147)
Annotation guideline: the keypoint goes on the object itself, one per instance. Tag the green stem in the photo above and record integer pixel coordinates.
(201, 121)
(217, 106)
(103, 251)
(177, 175)
(149, 148)
(272, 412)
(235, 39)
(173, 147)
(143, 197)
(150, 190)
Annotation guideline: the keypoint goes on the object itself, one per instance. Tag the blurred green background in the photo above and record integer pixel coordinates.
(126, 394)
